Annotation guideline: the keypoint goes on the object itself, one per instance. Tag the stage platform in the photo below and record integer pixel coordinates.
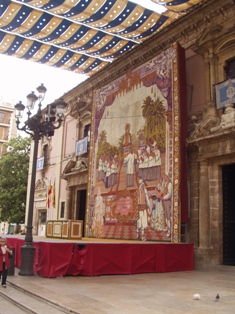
(95, 257)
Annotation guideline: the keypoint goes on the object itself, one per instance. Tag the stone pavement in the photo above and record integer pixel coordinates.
(139, 294)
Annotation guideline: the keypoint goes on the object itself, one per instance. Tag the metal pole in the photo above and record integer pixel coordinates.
(28, 250)
(37, 126)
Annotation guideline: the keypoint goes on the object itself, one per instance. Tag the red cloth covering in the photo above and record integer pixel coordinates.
(54, 259)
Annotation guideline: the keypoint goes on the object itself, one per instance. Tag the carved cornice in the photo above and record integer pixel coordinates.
(75, 179)
(213, 127)
(209, 139)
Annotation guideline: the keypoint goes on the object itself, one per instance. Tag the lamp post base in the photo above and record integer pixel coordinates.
(27, 259)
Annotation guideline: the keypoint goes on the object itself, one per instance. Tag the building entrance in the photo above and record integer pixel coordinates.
(228, 173)
(81, 207)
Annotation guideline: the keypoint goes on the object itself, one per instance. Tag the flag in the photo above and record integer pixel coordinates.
(225, 93)
(49, 191)
(53, 195)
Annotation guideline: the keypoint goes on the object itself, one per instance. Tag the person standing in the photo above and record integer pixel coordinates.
(4, 260)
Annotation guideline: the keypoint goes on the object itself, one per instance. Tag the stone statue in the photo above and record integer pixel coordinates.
(227, 119)
(81, 164)
(193, 124)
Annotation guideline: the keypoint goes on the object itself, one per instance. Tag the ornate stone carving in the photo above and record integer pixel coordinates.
(73, 167)
(204, 128)
(41, 184)
(210, 31)
(192, 125)
(79, 104)
(68, 168)
(81, 165)
(227, 120)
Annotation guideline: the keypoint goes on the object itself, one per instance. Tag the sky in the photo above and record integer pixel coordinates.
(150, 5)
(20, 77)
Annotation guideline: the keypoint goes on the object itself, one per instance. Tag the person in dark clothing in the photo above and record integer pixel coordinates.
(4, 260)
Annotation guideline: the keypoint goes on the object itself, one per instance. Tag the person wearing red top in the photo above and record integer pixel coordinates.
(4, 260)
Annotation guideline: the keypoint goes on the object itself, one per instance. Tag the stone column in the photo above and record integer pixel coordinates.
(35, 220)
(68, 202)
(210, 61)
(204, 207)
(194, 202)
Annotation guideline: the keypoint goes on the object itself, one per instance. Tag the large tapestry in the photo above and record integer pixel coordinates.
(134, 168)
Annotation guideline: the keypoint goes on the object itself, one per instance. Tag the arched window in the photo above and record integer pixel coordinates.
(87, 131)
(230, 69)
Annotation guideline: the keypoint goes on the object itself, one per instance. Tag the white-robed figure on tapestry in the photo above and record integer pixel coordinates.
(157, 216)
(143, 209)
(129, 161)
(167, 204)
(98, 219)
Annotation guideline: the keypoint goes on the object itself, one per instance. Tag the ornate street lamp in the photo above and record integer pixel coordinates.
(43, 123)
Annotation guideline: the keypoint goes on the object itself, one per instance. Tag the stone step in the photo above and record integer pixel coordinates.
(30, 302)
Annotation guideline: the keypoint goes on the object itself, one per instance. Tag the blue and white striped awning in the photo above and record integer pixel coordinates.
(80, 35)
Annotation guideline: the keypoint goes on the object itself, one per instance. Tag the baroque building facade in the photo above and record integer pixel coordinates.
(7, 126)
(207, 35)
(7, 131)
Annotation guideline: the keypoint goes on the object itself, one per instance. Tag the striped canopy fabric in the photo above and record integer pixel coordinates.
(80, 35)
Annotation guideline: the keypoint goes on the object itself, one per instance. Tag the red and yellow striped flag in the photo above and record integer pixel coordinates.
(53, 195)
(49, 191)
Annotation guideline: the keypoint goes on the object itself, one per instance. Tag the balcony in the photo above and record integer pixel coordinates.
(4, 140)
(5, 122)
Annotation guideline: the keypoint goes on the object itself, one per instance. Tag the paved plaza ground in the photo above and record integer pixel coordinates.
(139, 294)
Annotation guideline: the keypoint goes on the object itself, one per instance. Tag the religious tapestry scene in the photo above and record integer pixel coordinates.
(134, 157)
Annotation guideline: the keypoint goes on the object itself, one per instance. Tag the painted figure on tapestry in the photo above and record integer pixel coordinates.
(133, 162)
(166, 198)
(143, 209)
(129, 161)
(157, 217)
(127, 136)
(98, 220)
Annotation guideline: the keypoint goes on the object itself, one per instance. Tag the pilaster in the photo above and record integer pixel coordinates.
(68, 208)
(204, 207)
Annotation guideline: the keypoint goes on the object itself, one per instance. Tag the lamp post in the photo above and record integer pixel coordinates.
(43, 123)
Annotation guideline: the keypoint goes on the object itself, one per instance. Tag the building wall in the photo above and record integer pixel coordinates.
(70, 137)
(196, 86)
(7, 124)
